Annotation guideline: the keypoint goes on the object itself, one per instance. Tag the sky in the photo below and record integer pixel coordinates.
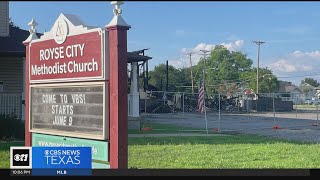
(171, 30)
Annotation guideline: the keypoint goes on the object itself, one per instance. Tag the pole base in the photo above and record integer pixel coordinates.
(276, 127)
(146, 129)
(216, 130)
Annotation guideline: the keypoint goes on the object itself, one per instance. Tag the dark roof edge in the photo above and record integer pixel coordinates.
(130, 56)
(13, 54)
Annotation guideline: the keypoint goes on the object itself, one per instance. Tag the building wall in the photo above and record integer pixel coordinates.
(11, 74)
(4, 18)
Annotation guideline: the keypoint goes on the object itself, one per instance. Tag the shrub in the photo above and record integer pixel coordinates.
(11, 127)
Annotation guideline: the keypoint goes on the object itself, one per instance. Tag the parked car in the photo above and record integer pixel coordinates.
(311, 101)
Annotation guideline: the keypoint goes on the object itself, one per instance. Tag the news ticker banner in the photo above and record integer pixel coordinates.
(51, 161)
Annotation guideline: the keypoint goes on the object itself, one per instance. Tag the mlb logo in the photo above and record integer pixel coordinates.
(20, 157)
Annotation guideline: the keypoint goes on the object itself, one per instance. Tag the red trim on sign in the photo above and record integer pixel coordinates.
(27, 134)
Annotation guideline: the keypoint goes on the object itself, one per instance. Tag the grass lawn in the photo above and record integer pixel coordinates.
(306, 107)
(221, 152)
(239, 151)
(5, 154)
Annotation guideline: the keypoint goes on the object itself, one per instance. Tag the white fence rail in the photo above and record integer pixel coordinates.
(11, 104)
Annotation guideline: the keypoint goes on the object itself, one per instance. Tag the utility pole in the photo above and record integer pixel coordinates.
(145, 76)
(258, 43)
(191, 72)
(205, 64)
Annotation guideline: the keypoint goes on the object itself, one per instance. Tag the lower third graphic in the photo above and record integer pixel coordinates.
(62, 161)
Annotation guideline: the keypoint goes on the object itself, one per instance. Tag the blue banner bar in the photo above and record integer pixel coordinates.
(61, 161)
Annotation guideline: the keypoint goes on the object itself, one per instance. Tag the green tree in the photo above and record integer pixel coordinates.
(185, 80)
(308, 84)
(226, 72)
(230, 72)
(178, 78)
(310, 81)
(224, 68)
(11, 23)
(268, 82)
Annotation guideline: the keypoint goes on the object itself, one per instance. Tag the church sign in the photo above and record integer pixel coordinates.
(76, 88)
(76, 57)
(69, 74)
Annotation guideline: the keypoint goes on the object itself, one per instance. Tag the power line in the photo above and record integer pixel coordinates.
(192, 79)
(298, 76)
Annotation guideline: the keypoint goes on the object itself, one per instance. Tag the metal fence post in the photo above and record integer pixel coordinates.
(296, 110)
(174, 102)
(164, 97)
(247, 99)
(183, 104)
(317, 111)
(274, 113)
(145, 104)
(219, 115)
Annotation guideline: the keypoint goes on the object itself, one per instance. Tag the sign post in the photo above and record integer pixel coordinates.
(117, 29)
(32, 36)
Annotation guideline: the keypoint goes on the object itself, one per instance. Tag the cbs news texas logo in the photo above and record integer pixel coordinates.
(58, 156)
(50, 157)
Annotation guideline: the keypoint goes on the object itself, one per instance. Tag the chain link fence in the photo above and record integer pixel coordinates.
(273, 114)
